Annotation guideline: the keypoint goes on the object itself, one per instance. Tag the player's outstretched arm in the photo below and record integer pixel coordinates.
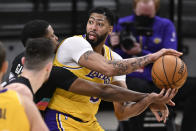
(66, 80)
(95, 61)
(124, 111)
(159, 107)
(156, 102)
(108, 92)
(166, 96)
(127, 110)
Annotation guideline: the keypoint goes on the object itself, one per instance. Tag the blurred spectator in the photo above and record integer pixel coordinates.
(140, 34)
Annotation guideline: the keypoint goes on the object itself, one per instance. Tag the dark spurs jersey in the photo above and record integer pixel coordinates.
(59, 77)
(21, 80)
(17, 66)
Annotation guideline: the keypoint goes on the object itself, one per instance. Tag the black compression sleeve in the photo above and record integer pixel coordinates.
(61, 77)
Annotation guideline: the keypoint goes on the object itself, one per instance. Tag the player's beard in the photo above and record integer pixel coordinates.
(95, 43)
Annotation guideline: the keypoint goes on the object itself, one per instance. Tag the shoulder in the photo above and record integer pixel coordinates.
(21, 80)
(20, 89)
(74, 42)
(163, 21)
(11, 95)
(72, 49)
(73, 39)
(125, 19)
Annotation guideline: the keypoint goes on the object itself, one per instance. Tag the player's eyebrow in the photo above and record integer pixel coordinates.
(99, 19)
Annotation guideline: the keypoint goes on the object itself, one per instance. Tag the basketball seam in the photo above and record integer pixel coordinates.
(182, 75)
(168, 84)
(174, 82)
(164, 70)
(175, 70)
(158, 77)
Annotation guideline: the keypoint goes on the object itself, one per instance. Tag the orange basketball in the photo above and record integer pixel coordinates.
(169, 72)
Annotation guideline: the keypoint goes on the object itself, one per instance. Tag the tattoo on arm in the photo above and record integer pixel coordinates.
(129, 65)
(124, 66)
(120, 66)
(140, 62)
(86, 54)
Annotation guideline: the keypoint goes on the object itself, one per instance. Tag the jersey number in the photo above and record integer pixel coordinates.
(94, 99)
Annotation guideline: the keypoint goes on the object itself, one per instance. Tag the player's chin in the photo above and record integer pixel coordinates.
(93, 40)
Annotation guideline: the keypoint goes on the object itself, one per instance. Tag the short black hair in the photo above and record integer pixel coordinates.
(104, 11)
(2, 54)
(34, 29)
(39, 51)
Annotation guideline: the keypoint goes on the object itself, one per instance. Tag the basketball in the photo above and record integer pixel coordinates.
(169, 72)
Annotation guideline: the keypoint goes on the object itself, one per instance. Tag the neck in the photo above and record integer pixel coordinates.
(1, 76)
(36, 79)
(99, 48)
(0, 84)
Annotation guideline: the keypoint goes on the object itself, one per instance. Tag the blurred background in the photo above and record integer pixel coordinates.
(68, 18)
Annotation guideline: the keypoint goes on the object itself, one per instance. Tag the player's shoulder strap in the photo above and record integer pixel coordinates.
(108, 52)
(22, 80)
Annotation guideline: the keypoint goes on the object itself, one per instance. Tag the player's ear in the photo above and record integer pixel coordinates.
(48, 69)
(110, 29)
(49, 66)
(23, 60)
(4, 67)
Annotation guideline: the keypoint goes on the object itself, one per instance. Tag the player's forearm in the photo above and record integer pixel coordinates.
(108, 92)
(112, 92)
(96, 62)
(126, 66)
(133, 109)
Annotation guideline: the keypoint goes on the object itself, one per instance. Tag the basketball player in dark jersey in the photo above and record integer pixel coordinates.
(33, 29)
(37, 63)
(17, 112)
